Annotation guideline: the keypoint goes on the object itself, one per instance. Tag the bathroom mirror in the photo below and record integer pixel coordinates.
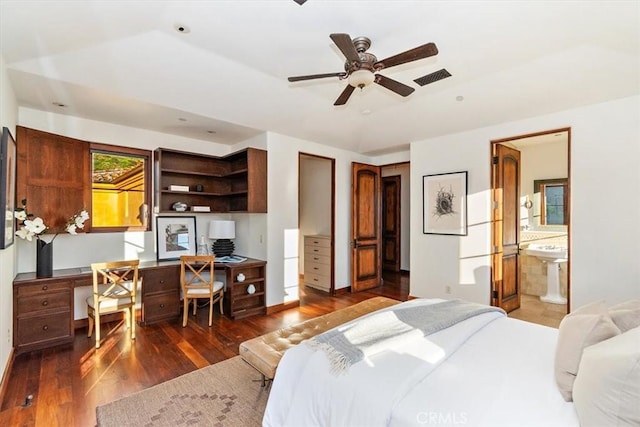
(553, 196)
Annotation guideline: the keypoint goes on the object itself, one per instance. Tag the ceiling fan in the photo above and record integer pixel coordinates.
(361, 67)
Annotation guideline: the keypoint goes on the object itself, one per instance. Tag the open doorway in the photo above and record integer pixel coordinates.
(531, 225)
(316, 213)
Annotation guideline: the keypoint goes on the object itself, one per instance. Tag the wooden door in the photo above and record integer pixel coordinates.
(391, 223)
(366, 242)
(506, 228)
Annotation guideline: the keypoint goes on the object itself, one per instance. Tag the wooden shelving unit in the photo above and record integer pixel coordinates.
(233, 183)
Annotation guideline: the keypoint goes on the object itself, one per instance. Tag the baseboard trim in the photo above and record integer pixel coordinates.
(5, 376)
(410, 297)
(404, 272)
(342, 291)
(281, 307)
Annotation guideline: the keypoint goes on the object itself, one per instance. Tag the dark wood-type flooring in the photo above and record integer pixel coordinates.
(68, 382)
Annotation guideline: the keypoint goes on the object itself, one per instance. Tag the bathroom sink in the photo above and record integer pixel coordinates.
(552, 253)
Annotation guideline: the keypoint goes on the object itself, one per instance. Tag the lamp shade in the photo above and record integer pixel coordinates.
(222, 229)
(361, 78)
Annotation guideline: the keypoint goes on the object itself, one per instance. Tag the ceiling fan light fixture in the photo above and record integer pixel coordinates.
(361, 78)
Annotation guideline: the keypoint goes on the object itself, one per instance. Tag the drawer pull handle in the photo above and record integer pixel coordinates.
(45, 287)
(315, 280)
(45, 328)
(161, 305)
(315, 250)
(315, 268)
(162, 282)
(315, 258)
(45, 302)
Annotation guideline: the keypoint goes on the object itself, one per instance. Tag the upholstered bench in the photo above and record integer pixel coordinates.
(264, 352)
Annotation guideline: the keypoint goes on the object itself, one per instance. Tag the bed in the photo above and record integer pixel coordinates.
(487, 370)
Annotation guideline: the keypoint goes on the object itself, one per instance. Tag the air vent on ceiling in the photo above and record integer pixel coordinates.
(433, 77)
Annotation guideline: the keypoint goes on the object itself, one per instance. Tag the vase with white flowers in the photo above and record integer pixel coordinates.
(34, 227)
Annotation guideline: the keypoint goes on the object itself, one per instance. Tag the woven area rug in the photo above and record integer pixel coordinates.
(224, 394)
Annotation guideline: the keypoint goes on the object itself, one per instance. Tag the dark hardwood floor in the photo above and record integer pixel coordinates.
(68, 382)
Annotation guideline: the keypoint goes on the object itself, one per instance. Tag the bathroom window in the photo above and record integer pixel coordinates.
(553, 201)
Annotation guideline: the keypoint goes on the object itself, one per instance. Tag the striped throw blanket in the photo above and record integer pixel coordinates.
(371, 334)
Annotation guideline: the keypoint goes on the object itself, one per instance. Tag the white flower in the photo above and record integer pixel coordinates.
(36, 226)
(23, 233)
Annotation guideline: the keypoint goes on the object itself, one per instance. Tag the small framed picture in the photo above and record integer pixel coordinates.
(176, 236)
(445, 203)
(7, 187)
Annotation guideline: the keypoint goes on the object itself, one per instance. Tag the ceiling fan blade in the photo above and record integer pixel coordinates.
(316, 76)
(414, 54)
(300, 2)
(344, 96)
(344, 43)
(393, 85)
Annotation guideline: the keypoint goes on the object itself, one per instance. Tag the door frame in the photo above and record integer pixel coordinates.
(495, 273)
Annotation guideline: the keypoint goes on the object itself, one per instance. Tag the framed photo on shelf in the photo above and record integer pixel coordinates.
(444, 208)
(7, 187)
(176, 236)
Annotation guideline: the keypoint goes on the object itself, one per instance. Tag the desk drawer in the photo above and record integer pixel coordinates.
(43, 288)
(38, 329)
(161, 279)
(161, 306)
(47, 301)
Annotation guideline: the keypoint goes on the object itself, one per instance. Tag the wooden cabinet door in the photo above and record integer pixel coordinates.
(53, 176)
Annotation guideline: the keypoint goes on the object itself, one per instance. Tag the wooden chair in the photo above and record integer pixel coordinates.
(114, 289)
(198, 281)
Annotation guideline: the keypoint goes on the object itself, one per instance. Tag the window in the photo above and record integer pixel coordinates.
(120, 188)
(553, 201)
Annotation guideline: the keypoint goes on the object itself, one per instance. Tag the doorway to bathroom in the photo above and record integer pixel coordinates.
(531, 225)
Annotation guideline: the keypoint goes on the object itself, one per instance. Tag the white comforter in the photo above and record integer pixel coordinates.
(486, 371)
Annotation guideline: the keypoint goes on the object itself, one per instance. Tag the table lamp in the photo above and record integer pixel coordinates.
(222, 231)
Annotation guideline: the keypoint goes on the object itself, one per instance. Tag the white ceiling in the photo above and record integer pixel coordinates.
(124, 62)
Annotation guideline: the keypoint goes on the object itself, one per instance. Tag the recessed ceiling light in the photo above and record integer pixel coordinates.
(59, 104)
(459, 98)
(365, 112)
(182, 119)
(182, 28)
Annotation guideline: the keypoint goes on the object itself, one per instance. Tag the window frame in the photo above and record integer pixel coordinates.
(117, 150)
(540, 185)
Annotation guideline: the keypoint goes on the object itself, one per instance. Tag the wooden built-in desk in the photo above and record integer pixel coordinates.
(43, 308)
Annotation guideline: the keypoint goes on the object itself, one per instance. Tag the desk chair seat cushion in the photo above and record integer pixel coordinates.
(118, 299)
(200, 291)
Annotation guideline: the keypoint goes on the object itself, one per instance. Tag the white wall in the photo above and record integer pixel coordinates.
(605, 216)
(8, 118)
(404, 170)
(283, 211)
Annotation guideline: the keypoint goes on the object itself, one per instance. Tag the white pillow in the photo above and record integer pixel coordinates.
(606, 391)
(581, 328)
(626, 315)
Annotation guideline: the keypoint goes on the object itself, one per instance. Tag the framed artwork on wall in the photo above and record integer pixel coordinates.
(7, 187)
(176, 236)
(444, 203)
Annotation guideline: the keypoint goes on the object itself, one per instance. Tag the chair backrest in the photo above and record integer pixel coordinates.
(196, 272)
(116, 278)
